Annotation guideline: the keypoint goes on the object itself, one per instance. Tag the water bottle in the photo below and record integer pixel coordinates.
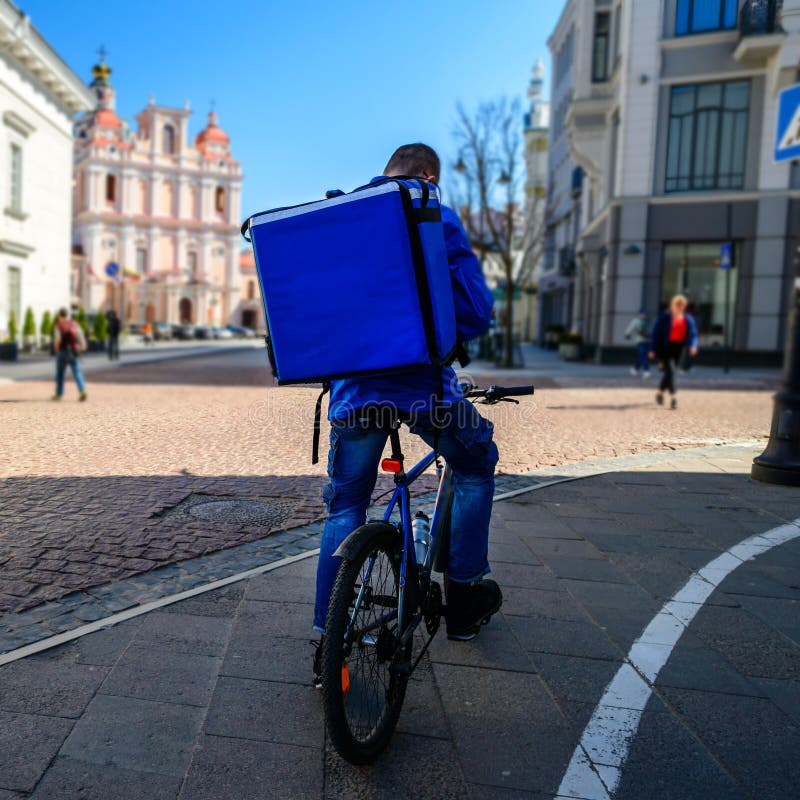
(421, 528)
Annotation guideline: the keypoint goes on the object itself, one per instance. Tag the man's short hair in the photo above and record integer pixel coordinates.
(414, 159)
(62, 312)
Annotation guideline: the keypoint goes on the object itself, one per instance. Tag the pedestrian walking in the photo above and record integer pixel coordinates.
(113, 335)
(674, 333)
(639, 332)
(147, 334)
(68, 343)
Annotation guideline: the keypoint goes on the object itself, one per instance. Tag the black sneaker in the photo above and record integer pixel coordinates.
(660, 399)
(316, 670)
(470, 605)
(673, 404)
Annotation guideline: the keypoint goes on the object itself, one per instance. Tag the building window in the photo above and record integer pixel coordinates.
(141, 260)
(617, 35)
(219, 200)
(707, 136)
(251, 290)
(700, 16)
(191, 261)
(692, 269)
(168, 139)
(602, 23)
(111, 188)
(15, 198)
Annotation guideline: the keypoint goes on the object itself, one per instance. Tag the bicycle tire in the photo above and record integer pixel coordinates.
(356, 743)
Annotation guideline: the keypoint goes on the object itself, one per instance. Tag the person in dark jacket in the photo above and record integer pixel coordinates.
(113, 335)
(674, 332)
(465, 440)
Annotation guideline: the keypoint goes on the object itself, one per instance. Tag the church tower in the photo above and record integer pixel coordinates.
(156, 216)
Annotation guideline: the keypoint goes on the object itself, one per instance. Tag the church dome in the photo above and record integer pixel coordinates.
(106, 118)
(212, 133)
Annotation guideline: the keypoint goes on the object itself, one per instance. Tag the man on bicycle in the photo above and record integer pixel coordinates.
(361, 411)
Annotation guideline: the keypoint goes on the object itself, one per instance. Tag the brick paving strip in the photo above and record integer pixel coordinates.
(208, 698)
(72, 611)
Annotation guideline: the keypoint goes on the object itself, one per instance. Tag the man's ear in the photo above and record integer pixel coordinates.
(430, 177)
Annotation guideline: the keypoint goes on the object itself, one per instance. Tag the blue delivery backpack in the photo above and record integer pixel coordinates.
(356, 284)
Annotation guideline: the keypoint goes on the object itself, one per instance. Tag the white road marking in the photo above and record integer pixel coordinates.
(596, 765)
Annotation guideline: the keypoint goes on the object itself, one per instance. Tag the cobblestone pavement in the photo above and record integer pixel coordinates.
(87, 489)
(208, 698)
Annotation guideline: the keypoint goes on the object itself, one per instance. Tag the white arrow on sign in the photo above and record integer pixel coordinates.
(791, 138)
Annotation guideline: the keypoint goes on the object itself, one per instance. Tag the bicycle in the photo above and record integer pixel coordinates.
(383, 595)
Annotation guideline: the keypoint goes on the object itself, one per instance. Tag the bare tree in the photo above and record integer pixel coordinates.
(489, 193)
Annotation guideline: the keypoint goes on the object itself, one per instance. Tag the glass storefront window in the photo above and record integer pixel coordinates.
(693, 269)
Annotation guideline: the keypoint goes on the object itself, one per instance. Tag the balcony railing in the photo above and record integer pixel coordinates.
(759, 17)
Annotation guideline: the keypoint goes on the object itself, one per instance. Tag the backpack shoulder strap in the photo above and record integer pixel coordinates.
(326, 387)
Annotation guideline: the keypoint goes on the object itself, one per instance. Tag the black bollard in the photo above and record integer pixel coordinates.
(780, 462)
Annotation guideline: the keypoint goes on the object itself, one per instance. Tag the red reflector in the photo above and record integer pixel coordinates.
(391, 465)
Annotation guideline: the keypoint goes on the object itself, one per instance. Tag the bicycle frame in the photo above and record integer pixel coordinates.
(408, 565)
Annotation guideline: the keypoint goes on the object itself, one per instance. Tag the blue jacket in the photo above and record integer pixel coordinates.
(416, 391)
(659, 338)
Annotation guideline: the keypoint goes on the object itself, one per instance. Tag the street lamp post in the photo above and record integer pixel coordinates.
(780, 462)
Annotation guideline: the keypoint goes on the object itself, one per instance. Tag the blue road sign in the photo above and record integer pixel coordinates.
(725, 255)
(112, 270)
(787, 139)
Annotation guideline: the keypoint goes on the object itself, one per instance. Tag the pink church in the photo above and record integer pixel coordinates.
(160, 213)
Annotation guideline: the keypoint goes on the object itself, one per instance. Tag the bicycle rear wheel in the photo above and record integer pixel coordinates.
(363, 690)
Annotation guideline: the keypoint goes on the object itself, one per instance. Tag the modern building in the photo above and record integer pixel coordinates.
(665, 125)
(561, 211)
(156, 216)
(39, 95)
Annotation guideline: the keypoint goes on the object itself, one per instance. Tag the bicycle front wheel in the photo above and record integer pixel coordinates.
(363, 689)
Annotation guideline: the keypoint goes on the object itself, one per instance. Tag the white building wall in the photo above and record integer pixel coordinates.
(639, 88)
(37, 242)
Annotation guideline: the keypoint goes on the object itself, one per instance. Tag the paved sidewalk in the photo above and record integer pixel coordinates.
(208, 698)
(42, 366)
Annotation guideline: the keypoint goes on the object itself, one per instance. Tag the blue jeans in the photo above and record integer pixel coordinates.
(465, 441)
(642, 361)
(62, 359)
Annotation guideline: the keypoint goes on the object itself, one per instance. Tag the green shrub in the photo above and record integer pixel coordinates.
(12, 327)
(100, 327)
(29, 325)
(81, 319)
(46, 328)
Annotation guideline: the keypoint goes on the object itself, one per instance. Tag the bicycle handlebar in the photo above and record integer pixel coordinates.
(495, 393)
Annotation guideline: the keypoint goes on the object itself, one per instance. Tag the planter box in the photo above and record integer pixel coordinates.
(570, 352)
(96, 346)
(9, 351)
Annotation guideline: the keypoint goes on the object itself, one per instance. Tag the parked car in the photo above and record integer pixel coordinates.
(203, 332)
(162, 331)
(221, 333)
(135, 328)
(185, 332)
(241, 332)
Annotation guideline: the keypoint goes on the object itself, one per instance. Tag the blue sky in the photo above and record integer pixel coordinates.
(314, 94)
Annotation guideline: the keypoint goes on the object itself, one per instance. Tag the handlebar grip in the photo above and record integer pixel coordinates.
(514, 391)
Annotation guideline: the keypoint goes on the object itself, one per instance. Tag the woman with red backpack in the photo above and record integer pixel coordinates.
(68, 343)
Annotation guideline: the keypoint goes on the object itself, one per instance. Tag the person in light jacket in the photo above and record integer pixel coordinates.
(638, 331)
(673, 332)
